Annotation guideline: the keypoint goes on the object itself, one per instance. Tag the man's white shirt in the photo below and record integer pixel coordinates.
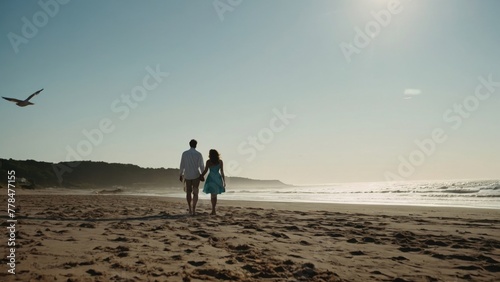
(191, 164)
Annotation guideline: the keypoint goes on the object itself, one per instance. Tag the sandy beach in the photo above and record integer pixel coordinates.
(126, 238)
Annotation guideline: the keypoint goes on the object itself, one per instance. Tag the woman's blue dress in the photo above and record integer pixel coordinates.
(213, 183)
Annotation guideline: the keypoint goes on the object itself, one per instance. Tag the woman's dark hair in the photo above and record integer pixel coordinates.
(213, 155)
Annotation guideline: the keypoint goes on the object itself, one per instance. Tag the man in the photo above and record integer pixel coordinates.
(190, 172)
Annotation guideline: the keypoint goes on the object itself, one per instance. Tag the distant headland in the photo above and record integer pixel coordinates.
(91, 174)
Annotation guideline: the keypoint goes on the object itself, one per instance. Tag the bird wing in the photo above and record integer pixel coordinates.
(31, 96)
(12, 99)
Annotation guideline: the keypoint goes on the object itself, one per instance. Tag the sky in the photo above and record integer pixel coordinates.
(306, 92)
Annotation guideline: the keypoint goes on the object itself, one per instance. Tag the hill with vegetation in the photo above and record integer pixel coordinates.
(90, 174)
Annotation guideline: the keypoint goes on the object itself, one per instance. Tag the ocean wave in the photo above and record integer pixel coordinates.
(495, 187)
(488, 196)
(462, 191)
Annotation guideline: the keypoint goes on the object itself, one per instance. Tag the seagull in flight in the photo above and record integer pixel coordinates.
(24, 103)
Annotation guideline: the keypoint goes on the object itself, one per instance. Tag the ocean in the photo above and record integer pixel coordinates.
(449, 193)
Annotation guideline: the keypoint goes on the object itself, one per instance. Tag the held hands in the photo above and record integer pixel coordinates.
(202, 178)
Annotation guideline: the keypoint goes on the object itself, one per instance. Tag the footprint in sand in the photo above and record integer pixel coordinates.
(92, 272)
(332, 234)
(431, 242)
(69, 265)
(292, 228)
(493, 268)
(124, 239)
(60, 231)
(468, 267)
(409, 249)
(196, 263)
(187, 237)
(251, 268)
(201, 233)
(399, 258)
(121, 251)
(279, 235)
(240, 248)
(306, 272)
(369, 240)
(176, 257)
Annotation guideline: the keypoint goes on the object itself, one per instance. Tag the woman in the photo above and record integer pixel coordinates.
(215, 183)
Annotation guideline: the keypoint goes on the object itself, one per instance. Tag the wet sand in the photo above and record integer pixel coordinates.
(126, 238)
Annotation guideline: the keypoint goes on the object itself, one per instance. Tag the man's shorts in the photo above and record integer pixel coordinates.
(192, 186)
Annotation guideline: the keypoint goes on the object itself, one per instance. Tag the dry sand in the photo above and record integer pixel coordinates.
(125, 238)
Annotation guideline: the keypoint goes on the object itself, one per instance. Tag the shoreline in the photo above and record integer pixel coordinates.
(204, 197)
(130, 238)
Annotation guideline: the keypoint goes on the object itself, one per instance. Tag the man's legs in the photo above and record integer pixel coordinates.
(192, 187)
(189, 190)
(196, 184)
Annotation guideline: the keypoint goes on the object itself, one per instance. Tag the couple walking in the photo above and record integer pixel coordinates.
(192, 171)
